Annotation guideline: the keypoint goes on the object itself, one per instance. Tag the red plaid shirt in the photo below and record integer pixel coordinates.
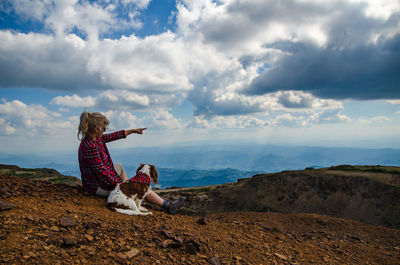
(96, 165)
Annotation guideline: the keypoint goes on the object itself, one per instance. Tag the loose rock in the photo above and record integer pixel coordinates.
(132, 253)
(280, 256)
(70, 240)
(5, 205)
(215, 261)
(66, 222)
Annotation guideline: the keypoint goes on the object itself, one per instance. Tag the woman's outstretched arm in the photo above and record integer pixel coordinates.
(138, 131)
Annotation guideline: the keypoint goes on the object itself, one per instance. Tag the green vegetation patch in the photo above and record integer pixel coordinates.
(373, 168)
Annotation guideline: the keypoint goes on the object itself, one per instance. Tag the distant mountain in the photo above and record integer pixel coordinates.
(169, 177)
(177, 162)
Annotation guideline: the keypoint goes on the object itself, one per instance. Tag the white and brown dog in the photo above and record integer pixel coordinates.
(127, 197)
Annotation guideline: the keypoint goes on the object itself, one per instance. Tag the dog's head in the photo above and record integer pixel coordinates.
(151, 170)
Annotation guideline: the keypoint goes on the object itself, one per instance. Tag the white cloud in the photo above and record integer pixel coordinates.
(142, 4)
(121, 120)
(160, 120)
(74, 101)
(119, 100)
(6, 128)
(394, 102)
(374, 120)
(31, 120)
(90, 18)
(217, 52)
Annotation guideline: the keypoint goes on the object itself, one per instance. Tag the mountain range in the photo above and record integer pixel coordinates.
(206, 164)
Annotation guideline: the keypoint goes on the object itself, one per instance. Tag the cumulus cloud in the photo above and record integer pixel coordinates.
(365, 72)
(160, 120)
(229, 58)
(121, 120)
(226, 122)
(19, 118)
(119, 100)
(74, 101)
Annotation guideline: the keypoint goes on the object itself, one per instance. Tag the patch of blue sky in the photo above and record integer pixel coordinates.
(9, 20)
(368, 109)
(29, 95)
(159, 17)
(262, 68)
(184, 111)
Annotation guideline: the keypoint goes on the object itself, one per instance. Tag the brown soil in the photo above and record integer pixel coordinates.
(57, 224)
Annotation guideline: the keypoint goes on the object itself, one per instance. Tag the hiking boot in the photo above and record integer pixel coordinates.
(173, 206)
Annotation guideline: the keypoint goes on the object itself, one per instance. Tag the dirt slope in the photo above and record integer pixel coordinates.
(347, 192)
(43, 223)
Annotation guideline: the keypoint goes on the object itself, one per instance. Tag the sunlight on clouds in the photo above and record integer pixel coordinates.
(242, 64)
(381, 9)
(74, 101)
(31, 120)
(6, 128)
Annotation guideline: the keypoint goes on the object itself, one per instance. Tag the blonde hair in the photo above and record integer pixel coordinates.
(89, 121)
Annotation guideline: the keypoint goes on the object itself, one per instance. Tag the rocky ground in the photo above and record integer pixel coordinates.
(44, 223)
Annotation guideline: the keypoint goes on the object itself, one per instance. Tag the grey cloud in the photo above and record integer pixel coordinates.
(349, 66)
(247, 19)
(30, 60)
(364, 72)
(205, 101)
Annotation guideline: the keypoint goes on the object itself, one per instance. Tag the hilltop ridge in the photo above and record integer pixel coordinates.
(369, 194)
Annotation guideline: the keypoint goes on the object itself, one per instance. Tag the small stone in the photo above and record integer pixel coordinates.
(90, 231)
(167, 234)
(66, 221)
(121, 258)
(54, 228)
(91, 225)
(178, 239)
(192, 247)
(280, 256)
(166, 243)
(5, 205)
(30, 218)
(89, 237)
(132, 253)
(70, 240)
(215, 261)
(4, 192)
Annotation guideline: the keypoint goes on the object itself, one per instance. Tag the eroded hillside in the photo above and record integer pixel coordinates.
(369, 194)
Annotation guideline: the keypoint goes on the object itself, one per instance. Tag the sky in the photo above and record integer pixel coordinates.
(290, 72)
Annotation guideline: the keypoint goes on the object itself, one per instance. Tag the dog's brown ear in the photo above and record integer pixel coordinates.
(139, 168)
(154, 173)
